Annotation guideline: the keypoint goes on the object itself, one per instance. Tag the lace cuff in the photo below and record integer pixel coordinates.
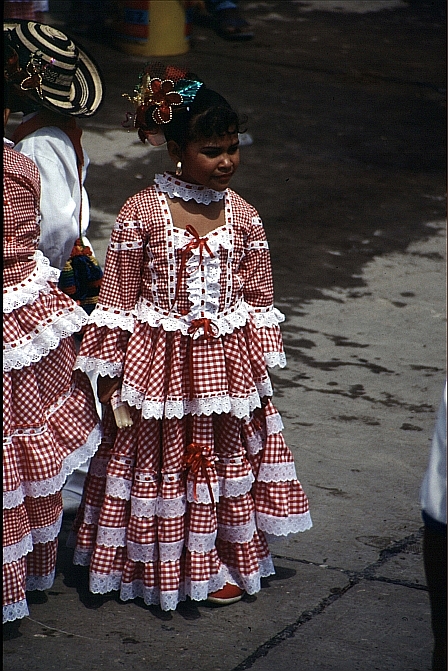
(273, 359)
(29, 289)
(267, 317)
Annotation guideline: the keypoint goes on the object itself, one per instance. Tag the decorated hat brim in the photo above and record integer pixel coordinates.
(87, 88)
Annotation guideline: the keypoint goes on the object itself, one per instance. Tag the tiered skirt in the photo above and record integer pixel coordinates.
(177, 507)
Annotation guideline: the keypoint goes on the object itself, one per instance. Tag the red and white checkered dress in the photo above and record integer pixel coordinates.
(50, 424)
(180, 503)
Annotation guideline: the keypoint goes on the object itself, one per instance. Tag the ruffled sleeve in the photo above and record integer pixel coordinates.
(104, 344)
(256, 273)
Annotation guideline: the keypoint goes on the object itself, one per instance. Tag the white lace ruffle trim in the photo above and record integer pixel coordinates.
(266, 317)
(233, 487)
(113, 318)
(177, 188)
(273, 359)
(40, 582)
(224, 322)
(12, 553)
(46, 337)
(277, 472)
(29, 289)
(238, 407)
(166, 508)
(15, 611)
(39, 488)
(237, 534)
(104, 368)
(196, 590)
(283, 526)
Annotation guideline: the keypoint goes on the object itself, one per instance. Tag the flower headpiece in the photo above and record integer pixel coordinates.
(164, 89)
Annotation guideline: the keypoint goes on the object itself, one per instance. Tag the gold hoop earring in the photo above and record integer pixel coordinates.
(179, 168)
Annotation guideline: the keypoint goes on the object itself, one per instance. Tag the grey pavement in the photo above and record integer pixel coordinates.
(346, 108)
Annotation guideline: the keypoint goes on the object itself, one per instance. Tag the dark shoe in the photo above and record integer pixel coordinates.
(227, 595)
(229, 25)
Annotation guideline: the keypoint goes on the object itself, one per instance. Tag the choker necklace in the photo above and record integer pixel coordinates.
(176, 188)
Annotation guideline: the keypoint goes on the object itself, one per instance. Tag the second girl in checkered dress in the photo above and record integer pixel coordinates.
(180, 503)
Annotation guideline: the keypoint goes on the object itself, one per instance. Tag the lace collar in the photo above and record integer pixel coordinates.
(175, 187)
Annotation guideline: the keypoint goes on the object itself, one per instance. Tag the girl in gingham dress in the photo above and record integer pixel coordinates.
(50, 424)
(180, 503)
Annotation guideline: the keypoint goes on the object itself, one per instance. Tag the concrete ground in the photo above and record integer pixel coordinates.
(346, 108)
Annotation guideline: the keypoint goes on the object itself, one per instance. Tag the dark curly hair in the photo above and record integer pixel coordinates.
(207, 116)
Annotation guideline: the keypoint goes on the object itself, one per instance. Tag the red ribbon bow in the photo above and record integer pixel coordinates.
(210, 329)
(197, 460)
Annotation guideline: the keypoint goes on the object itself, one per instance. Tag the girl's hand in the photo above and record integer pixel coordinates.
(106, 386)
(265, 400)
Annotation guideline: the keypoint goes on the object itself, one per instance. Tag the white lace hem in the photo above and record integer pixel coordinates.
(238, 407)
(39, 582)
(33, 347)
(28, 290)
(103, 368)
(15, 611)
(81, 557)
(171, 551)
(102, 583)
(264, 388)
(252, 583)
(46, 487)
(283, 526)
(285, 472)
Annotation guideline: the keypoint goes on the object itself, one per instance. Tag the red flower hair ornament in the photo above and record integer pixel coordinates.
(157, 88)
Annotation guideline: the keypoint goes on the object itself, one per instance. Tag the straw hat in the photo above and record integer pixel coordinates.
(52, 70)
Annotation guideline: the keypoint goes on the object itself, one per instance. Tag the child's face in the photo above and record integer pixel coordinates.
(211, 161)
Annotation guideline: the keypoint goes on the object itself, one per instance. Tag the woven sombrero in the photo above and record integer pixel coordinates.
(69, 79)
